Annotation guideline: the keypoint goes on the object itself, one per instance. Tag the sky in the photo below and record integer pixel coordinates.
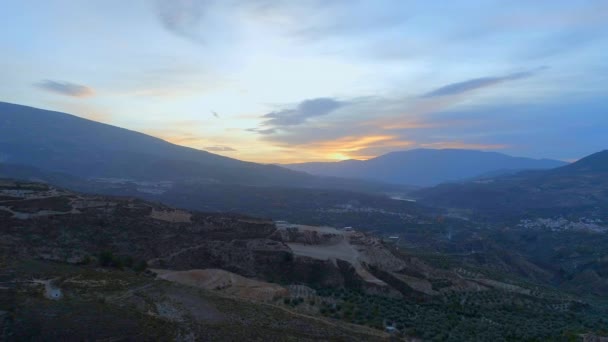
(282, 81)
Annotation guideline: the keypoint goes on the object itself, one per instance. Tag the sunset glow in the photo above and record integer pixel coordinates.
(251, 80)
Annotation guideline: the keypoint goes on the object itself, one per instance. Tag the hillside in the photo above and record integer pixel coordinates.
(304, 205)
(425, 167)
(62, 143)
(75, 265)
(593, 164)
(579, 189)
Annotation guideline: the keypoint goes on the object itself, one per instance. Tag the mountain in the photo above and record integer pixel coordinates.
(425, 167)
(592, 164)
(580, 188)
(62, 143)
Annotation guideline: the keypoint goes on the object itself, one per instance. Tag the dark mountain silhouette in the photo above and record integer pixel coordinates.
(63, 143)
(595, 163)
(426, 167)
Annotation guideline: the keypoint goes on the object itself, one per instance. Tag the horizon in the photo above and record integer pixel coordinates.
(328, 161)
(252, 81)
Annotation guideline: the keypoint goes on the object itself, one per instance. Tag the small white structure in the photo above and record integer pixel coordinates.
(348, 229)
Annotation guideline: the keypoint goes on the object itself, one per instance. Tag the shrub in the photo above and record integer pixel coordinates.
(107, 259)
(127, 261)
(140, 266)
(86, 260)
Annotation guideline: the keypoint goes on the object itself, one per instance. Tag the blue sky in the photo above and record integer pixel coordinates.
(290, 81)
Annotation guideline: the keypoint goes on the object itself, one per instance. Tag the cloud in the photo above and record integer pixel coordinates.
(219, 149)
(370, 126)
(65, 88)
(203, 20)
(359, 147)
(262, 131)
(361, 116)
(478, 83)
(182, 17)
(300, 114)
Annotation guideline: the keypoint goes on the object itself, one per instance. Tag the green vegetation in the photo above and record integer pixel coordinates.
(554, 273)
(293, 301)
(108, 259)
(119, 305)
(482, 316)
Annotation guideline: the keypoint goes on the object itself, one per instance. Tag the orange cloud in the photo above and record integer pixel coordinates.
(350, 147)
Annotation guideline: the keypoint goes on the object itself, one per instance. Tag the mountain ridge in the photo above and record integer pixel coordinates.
(425, 167)
(580, 188)
(64, 143)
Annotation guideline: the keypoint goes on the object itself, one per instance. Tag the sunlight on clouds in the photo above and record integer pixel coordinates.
(339, 156)
(370, 63)
(352, 147)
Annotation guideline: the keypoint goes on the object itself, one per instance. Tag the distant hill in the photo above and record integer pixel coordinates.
(63, 143)
(581, 187)
(595, 163)
(426, 167)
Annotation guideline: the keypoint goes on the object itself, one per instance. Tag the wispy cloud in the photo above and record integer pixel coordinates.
(359, 147)
(299, 114)
(478, 83)
(365, 127)
(262, 131)
(182, 17)
(65, 88)
(219, 149)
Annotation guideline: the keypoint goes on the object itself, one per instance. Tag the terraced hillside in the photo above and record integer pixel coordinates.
(73, 268)
(82, 266)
